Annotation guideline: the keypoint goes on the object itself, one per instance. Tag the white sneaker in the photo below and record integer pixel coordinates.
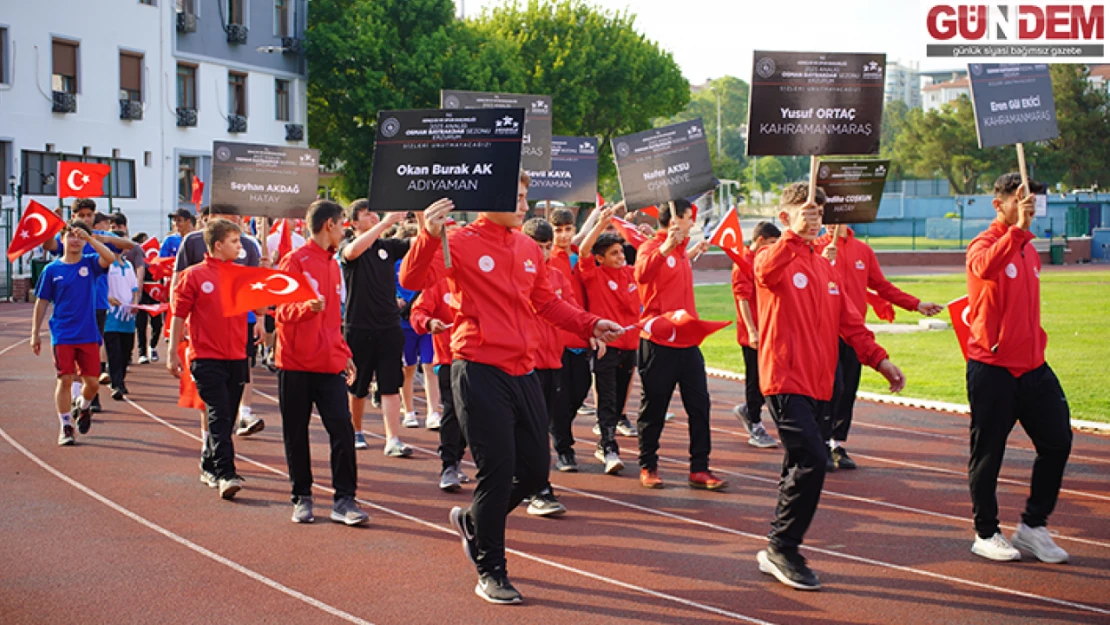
(396, 449)
(612, 461)
(433, 421)
(410, 420)
(143, 359)
(1037, 541)
(995, 548)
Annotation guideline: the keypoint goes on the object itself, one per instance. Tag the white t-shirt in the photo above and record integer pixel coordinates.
(274, 240)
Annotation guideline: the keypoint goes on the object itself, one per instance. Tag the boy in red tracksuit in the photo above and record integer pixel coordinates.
(857, 270)
(666, 283)
(611, 292)
(217, 350)
(433, 312)
(500, 282)
(1008, 379)
(314, 365)
(764, 235)
(801, 312)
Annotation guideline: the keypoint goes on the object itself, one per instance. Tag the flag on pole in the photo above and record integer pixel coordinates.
(150, 249)
(628, 232)
(730, 237)
(198, 190)
(958, 310)
(38, 225)
(679, 326)
(81, 179)
(243, 289)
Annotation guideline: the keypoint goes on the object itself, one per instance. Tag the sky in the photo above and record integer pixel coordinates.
(714, 38)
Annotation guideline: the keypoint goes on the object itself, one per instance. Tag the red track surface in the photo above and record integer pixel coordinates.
(119, 530)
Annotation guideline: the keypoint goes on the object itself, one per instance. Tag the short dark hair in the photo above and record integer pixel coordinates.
(82, 203)
(765, 230)
(1007, 184)
(118, 219)
(357, 207)
(184, 213)
(539, 230)
(798, 194)
(77, 223)
(217, 230)
(223, 209)
(561, 217)
(100, 218)
(205, 211)
(320, 213)
(680, 208)
(604, 241)
(140, 238)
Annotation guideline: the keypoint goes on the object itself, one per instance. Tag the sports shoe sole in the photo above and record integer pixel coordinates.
(653, 486)
(253, 428)
(769, 568)
(229, 492)
(547, 511)
(66, 441)
(450, 487)
(513, 601)
(1028, 548)
(699, 486)
(342, 518)
(613, 469)
(457, 521)
(300, 520)
(994, 557)
(762, 444)
(208, 480)
(567, 468)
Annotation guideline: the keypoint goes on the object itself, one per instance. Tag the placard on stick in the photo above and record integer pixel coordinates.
(536, 149)
(272, 181)
(663, 164)
(1013, 103)
(815, 103)
(573, 174)
(471, 157)
(853, 189)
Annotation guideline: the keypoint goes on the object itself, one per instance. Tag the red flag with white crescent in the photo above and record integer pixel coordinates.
(679, 327)
(81, 179)
(38, 225)
(958, 310)
(150, 249)
(243, 289)
(629, 232)
(152, 309)
(157, 291)
(730, 237)
(198, 190)
(161, 268)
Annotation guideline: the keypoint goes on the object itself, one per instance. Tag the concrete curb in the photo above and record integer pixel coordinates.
(911, 402)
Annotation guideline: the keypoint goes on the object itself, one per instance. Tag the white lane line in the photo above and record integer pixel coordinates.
(834, 554)
(587, 574)
(235, 566)
(13, 346)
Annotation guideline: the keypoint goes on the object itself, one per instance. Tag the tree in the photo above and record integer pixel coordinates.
(769, 171)
(373, 55)
(894, 123)
(605, 78)
(1082, 151)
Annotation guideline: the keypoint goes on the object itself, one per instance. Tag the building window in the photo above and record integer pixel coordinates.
(131, 76)
(3, 56)
(65, 66)
(36, 166)
(186, 170)
(235, 11)
(188, 7)
(123, 177)
(281, 18)
(281, 100)
(186, 86)
(236, 94)
(5, 150)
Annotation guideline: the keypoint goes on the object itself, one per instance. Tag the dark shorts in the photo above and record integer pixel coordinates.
(252, 349)
(377, 355)
(418, 348)
(81, 358)
(268, 323)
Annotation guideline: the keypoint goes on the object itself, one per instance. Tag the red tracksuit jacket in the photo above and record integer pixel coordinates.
(743, 288)
(549, 353)
(801, 312)
(500, 282)
(858, 269)
(666, 283)
(612, 294)
(197, 300)
(560, 261)
(435, 303)
(309, 341)
(1004, 294)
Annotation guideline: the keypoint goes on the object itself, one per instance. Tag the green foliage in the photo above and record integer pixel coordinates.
(1082, 151)
(769, 171)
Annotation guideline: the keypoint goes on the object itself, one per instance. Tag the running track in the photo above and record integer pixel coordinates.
(119, 530)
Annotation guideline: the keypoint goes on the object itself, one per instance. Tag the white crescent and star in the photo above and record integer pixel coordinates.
(290, 284)
(725, 233)
(72, 184)
(42, 222)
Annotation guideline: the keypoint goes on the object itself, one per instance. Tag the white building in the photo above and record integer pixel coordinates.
(146, 85)
(903, 82)
(938, 94)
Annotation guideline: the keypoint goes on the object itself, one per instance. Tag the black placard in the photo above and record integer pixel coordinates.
(853, 190)
(536, 148)
(1013, 103)
(663, 164)
(263, 180)
(471, 157)
(573, 174)
(813, 103)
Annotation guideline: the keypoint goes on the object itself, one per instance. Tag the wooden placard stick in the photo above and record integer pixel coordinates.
(263, 234)
(812, 178)
(1022, 168)
(446, 248)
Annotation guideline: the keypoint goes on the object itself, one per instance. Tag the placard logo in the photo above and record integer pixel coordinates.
(390, 127)
(694, 132)
(307, 159)
(586, 148)
(451, 102)
(540, 106)
(223, 153)
(506, 125)
(823, 172)
(765, 67)
(1007, 33)
(880, 170)
(623, 149)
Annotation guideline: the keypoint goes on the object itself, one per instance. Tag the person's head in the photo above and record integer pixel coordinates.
(73, 244)
(204, 216)
(562, 222)
(683, 215)
(84, 209)
(119, 224)
(793, 199)
(514, 219)
(141, 238)
(1007, 195)
(765, 233)
(183, 221)
(541, 232)
(221, 236)
(324, 220)
(361, 217)
(608, 250)
(101, 221)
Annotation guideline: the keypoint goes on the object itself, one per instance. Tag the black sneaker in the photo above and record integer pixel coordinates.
(830, 464)
(82, 417)
(95, 406)
(566, 463)
(842, 460)
(789, 568)
(460, 520)
(546, 504)
(497, 589)
(65, 437)
(117, 394)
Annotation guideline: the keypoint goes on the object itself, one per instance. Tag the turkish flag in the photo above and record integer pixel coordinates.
(38, 225)
(243, 289)
(629, 232)
(81, 179)
(198, 190)
(600, 200)
(883, 309)
(153, 309)
(157, 291)
(150, 249)
(161, 268)
(651, 211)
(679, 326)
(958, 310)
(730, 237)
(285, 243)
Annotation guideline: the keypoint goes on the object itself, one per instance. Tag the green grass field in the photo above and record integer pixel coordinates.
(1074, 307)
(920, 243)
